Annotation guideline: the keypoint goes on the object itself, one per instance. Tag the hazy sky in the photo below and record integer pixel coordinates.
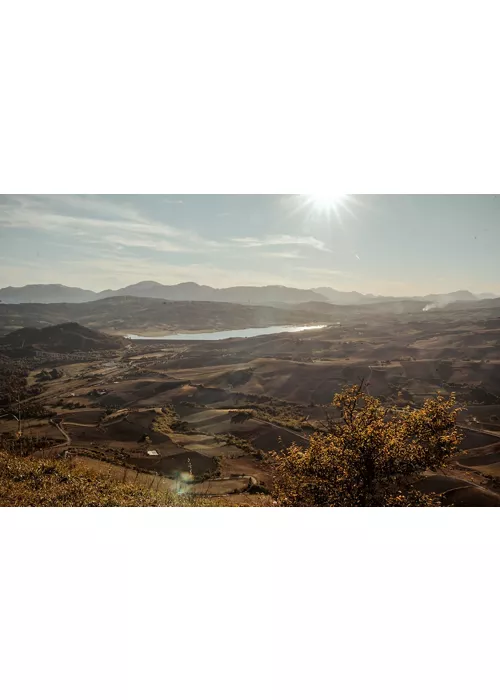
(385, 244)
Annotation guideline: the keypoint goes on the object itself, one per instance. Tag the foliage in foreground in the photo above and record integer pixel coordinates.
(46, 482)
(370, 458)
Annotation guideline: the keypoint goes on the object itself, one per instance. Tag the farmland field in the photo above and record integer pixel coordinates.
(213, 411)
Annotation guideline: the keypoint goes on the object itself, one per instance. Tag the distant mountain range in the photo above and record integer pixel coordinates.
(45, 294)
(186, 291)
(336, 297)
(190, 291)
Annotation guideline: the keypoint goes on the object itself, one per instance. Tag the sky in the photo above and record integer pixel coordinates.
(380, 244)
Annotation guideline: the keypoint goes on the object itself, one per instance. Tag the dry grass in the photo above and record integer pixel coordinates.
(45, 482)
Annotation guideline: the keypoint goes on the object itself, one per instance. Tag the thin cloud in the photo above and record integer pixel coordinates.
(307, 241)
(95, 221)
(164, 245)
(282, 240)
(113, 242)
(247, 242)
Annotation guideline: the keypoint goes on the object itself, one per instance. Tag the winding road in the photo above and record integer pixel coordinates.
(481, 431)
(64, 433)
(280, 427)
(55, 449)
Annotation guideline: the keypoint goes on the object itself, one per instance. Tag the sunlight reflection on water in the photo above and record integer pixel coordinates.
(224, 335)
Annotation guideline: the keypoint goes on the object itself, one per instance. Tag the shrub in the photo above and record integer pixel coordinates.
(240, 416)
(371, 458)
(169, 421)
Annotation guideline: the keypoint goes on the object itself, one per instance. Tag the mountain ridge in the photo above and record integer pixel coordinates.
(191, 291)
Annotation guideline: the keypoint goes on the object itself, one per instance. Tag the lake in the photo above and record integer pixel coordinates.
(224, 335)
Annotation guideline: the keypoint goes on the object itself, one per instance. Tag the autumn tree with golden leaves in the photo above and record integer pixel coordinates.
(371, 457)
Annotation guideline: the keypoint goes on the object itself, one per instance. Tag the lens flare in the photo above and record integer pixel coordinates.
(324, 205)
(326, 202)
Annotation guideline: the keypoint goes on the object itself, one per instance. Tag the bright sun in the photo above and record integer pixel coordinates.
(325, 205)
(326, 202)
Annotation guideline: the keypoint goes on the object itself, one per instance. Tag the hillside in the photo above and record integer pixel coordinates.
(64, 338)
(216, 409)
(122, 315)
(48, 482)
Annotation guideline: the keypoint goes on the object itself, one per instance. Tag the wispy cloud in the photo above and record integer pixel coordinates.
(95, 220)
(290, 254)
(120, 224)
(247, 241)
(307, 241)
(98, 242)
(163, 245)
(281, 240)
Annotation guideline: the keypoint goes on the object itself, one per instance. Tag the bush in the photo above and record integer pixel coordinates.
(240, 416)
(169, 421)
(371, 458)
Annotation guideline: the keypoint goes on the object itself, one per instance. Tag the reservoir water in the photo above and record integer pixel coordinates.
(223, 335)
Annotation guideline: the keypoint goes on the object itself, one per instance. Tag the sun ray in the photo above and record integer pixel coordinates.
(325, 205)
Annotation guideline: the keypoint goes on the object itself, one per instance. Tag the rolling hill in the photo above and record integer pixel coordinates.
(122, 315)
(63, 338)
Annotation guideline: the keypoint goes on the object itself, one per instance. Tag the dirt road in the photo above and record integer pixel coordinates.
(281, 427)
(55, 449)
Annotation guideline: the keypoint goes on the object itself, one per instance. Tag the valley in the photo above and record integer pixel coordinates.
(202, 417)
(133, 315)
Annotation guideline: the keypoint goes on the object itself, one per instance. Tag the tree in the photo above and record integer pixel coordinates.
(371, 458)
(445, 370)
(240, 416)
